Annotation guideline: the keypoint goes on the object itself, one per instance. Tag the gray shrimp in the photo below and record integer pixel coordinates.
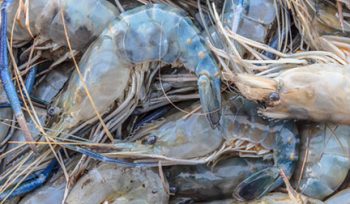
(162, 33)
(327, 147)
(243, 132)
(84, 22)
(118, 185)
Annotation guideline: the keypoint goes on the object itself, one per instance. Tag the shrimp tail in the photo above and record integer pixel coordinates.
(258, 184)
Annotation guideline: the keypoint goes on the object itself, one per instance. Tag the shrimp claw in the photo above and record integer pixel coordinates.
(6, 78)
(31, 184)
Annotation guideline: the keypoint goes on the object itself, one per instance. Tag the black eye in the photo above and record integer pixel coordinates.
(53, 111)
(150, 140)
(274, 96)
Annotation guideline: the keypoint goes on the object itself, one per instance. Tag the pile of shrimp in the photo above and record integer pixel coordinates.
(174, 101)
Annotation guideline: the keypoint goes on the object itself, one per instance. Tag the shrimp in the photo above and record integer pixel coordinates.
(317, 92)
(327, 150)
(200, 182)
(242, 132)
(83, 22)
(118, 185)
(163, 33)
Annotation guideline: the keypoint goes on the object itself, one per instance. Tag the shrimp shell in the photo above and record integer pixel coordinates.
(328, 151)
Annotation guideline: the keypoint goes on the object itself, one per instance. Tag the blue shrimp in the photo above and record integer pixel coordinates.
(148, 33)
(6, 78)
(84, 22)
(243, 132)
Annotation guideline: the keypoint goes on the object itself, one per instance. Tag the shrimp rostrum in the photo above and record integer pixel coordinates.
(318, 92)
(148, 33)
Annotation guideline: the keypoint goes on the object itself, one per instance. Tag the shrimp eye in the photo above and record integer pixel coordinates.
(150, 140)
(274, 96)
(53, 111)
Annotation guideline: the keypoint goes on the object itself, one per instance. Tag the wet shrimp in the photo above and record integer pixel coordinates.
(318, 92)
(44, 19)
(163, 33)
(84, 22)
(325, 150)
(242, 133)
(118, 185)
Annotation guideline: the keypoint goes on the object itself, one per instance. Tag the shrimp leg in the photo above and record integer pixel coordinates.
(29, 86)
(9, 87)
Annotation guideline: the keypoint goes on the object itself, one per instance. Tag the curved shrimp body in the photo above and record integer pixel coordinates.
(84, 22)
(318, 92)
(148, 33)
(242, 132)
(118, 185)
(201, 182)
(326, 149)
